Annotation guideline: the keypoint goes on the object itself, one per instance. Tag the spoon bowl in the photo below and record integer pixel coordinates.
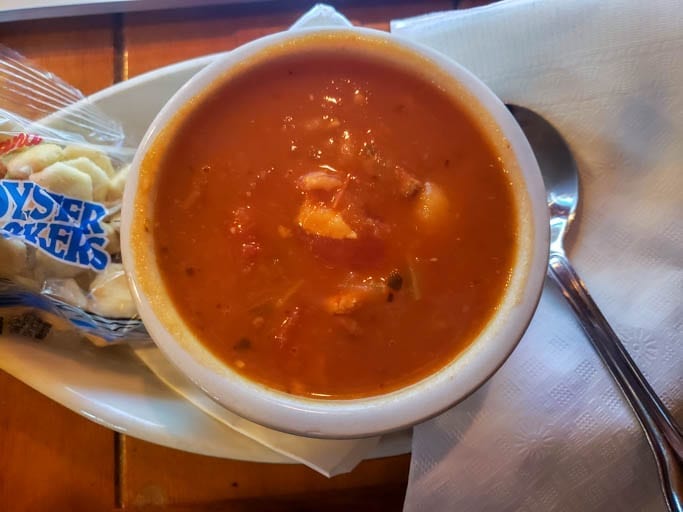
(560, 173)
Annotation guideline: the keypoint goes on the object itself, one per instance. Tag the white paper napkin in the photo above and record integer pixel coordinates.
(329, 457)
(550, 431)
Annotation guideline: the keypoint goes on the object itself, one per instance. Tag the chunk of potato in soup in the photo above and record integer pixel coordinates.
(331, 225)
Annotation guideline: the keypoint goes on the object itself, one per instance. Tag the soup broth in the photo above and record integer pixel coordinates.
(332, 225)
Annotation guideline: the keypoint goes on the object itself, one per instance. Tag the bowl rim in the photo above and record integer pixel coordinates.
(362, 417)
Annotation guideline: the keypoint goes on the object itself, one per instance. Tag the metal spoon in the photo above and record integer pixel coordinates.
(562, 184)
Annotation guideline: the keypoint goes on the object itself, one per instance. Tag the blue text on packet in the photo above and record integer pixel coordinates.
(66, 228)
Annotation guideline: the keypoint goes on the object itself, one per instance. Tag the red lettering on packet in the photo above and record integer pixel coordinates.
(19, 141)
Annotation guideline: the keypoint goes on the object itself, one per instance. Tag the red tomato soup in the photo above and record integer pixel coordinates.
(332, 225)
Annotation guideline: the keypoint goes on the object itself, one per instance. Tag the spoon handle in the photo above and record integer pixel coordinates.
(661, 430)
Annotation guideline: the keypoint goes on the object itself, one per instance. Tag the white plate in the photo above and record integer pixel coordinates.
(111, 386)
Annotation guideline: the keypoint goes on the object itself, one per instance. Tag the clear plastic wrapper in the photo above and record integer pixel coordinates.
(63, 167)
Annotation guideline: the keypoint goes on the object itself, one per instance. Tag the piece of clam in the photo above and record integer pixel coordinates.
(319, 180)
(432, 206)
(319, 220)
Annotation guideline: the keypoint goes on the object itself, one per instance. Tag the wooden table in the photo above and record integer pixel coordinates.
(54, 460)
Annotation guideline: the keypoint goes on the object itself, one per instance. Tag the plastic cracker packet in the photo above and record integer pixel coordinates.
(63, 167)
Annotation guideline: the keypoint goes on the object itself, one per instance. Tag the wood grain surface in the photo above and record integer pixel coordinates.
(154, 39)
(53, 460)
(154, 475)
(50, 458)
(79, 50)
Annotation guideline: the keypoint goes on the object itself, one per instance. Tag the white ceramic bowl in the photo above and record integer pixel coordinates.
(358, 417)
